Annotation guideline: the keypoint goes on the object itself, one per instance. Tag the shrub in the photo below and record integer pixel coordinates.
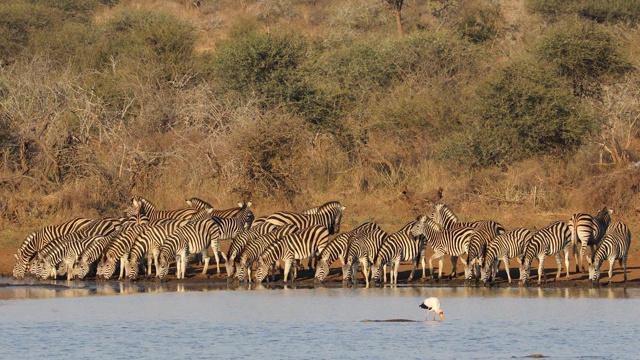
(582, 50)
(598, 10)
(149, 37)
(522, 111)
(480, 22)
(18, 22)
(72, 10)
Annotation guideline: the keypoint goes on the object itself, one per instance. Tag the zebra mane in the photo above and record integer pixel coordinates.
(198, 203)
(443, 215)
(322, 208)
(604, 216)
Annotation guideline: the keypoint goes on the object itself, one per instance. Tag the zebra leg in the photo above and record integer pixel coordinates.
(414, 265)
(394, 271)
(423, 262)
(287, 268)
(624, 267)
(611, 262)
(384, 274)
(566, 261)
(541, 272)
(365, 272)
(583, 250)
(505, 260)
(440, 263)
(215, 254)
(559, 261)
(205, 257)
(454, 267)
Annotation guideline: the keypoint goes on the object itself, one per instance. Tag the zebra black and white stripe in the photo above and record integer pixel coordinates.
(614, 245)
(362, 249)
(39, 239)
(140, 205)
(119, 248)
(241, 240)
(54, 252)
(587, 230)
(504, 247)
(399, 246)
(336, 249)
(194, 237)
(148, 243)
(550, 240)
(225, 213)
(255, 248)
(297, 246)
(484, 234)
(328, 215)
(454, 242)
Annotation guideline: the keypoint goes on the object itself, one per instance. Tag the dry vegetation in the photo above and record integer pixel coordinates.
(521, 111)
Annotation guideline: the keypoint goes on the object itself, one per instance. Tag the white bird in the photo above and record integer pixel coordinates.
(432, 304)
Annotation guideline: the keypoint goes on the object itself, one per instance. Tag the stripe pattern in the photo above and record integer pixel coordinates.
(254, 249)
(614, 245)
(362, 250)
(548, 241)
(39, 239)
(453, 242)
(297, 246)
(504, 247)
(587, 230)
(399, 246)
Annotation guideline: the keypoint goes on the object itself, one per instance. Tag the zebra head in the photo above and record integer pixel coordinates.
(132, 269)
(376, 270)
(82, 268)
(108, 268)
(594, 274)
(525, 269)
(322, 269)
(163, 267)
(20, 267)
(262, 271)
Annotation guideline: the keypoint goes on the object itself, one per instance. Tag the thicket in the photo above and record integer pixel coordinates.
(309, 102)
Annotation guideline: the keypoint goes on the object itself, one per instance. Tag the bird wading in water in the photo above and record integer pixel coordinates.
(432, 304)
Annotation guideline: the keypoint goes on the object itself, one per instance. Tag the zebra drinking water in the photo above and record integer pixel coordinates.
(504, 247)
(614, 245)
(550, 240)
(587, 230)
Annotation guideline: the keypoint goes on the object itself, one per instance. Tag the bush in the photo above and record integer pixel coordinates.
(521, 112)
(480, 22)
(598, 10)
(18, 22)
(150, 38)
(72, 10)
(582, 50)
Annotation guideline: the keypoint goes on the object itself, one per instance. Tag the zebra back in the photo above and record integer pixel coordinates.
(198, 203)
(40, 238)
(549, 240)
(151, 238)
(143, 206)
(454, 241)
(328, 215)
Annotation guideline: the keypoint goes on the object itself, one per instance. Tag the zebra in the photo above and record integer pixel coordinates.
(588, 230)
(229, 229)
(297, 246)
(39, 239)
(614, 245)
(255, 248)
(550, 240)
(119, 248)
(486, 231)
(399, 246)
(140, 205)
(226, 213)
(55, 251)
(337, 247)
(504, 247)
(240, 241)
(92, 253)
(328, 215)
(446, 218)
(67, 253)
(148, 242)
(195, 236)
(362, 250)
(454, 242)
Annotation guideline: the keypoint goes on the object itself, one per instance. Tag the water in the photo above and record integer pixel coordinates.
(161, 321)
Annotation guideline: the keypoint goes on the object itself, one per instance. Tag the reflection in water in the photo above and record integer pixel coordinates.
(33, 289)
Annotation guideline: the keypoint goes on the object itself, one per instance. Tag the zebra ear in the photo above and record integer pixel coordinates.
(240, 204)
(249, 203)
(16, 256)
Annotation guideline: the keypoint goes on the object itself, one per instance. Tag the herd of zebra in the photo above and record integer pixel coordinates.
(147, 237)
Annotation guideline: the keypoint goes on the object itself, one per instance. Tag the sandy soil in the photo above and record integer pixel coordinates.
(306, 276)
